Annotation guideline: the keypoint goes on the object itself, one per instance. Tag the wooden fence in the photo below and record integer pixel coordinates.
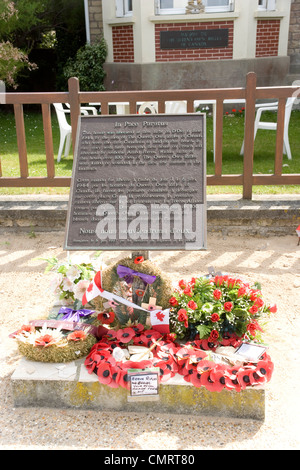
(75, 97)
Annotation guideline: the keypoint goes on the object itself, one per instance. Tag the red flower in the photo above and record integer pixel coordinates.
(26, 329)
(241, 291)
(106, 318)
(259, 302)
(208, 383)
(123, 379)
(231, 382)
(173, 301)
(215, 317)
(191, 304)
(253, 310)
(139, 260)
(228, 306)
(182, 284)
(45, 341)
(214, 335)
(182, 316)
(217, 294)
(104, 373)
(243, 376)
(187, 291)
(77, 335)
(273, 309)
(125, 335)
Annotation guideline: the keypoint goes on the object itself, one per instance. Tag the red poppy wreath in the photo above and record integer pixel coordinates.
(191, 361)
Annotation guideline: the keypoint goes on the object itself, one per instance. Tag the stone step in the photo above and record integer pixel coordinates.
(69, 385)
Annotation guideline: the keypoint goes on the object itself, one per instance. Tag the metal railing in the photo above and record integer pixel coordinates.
(74, 97)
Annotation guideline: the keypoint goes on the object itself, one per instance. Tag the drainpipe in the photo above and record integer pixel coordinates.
(87, 21)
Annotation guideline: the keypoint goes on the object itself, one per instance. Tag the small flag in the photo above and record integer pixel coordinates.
(160, 321)
(298, 231)
(93, 290)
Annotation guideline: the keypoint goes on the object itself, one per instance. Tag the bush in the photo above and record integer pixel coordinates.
(88, 66)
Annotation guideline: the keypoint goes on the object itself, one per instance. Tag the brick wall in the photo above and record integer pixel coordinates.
(123, 44)
(267, 38)
(179, 55)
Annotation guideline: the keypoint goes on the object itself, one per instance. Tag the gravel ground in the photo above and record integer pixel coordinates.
(24, 293)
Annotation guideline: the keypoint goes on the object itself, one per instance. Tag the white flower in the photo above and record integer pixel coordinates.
(80, 288)
(55, 282)
(73, 273)
(68, 285)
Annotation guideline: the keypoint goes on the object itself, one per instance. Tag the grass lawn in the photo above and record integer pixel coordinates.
(233, 134)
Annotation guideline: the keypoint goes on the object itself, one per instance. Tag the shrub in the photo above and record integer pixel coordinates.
(88, 66)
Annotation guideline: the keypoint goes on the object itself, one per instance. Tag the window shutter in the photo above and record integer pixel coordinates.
(119, 8)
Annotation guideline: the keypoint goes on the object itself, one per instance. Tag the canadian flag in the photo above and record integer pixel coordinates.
(93, 290)
(160, 321)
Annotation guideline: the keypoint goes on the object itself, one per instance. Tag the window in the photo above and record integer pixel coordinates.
(171, 7)
(123, 8)
(267, 5)
(218, 5)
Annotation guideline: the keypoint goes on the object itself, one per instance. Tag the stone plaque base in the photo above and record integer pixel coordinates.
(70, 386)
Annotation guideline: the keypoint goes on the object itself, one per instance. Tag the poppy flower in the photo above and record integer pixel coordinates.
(106, 318)
(190, 370)
(138, 328)
(264, 369)
(165, 370)
(140, 292)
(231, 382)
(136, 364)
(195, 379)
(139, 260)
(123, 379)
(115, 377)
(104, 373)
(208, 383)
(148, 336)
(205, 365)
(208, 345)
(26, 329)
(243, 376)
(45, 341)
(77, 335)
(125, 335)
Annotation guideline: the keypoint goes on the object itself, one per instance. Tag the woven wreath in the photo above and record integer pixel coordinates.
(190, 360)
(135, 290)
(53, 345)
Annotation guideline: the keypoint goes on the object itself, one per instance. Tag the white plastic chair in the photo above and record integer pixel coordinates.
(272, 126)
(65, 131)
(147, 108)
(176, 107)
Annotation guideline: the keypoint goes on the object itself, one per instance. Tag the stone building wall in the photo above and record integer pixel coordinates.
(96, 20)
(294, 37)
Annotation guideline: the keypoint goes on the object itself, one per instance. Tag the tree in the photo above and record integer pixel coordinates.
(12, 59)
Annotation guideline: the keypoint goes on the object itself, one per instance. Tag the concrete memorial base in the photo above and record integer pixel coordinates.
(69, 385)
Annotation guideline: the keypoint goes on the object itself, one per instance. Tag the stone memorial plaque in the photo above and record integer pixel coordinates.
(138, 183)
(194, 39)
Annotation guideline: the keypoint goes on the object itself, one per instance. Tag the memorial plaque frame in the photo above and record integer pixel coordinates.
(195, 39)
(162, 183)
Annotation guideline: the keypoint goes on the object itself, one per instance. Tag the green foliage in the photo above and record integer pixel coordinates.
(88, 66)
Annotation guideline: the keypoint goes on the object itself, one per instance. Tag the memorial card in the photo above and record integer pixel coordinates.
(138, 183)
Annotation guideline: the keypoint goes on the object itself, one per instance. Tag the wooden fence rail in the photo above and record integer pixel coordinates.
(75, 98)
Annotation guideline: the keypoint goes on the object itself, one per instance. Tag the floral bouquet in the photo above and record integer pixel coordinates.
(72, 277)
(221, 310)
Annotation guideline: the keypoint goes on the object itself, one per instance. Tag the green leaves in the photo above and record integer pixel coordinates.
(203, 330)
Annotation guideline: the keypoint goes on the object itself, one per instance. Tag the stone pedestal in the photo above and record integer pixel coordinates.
(70, 386)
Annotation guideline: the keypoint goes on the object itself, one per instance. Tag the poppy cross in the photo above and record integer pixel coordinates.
(151, 305)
